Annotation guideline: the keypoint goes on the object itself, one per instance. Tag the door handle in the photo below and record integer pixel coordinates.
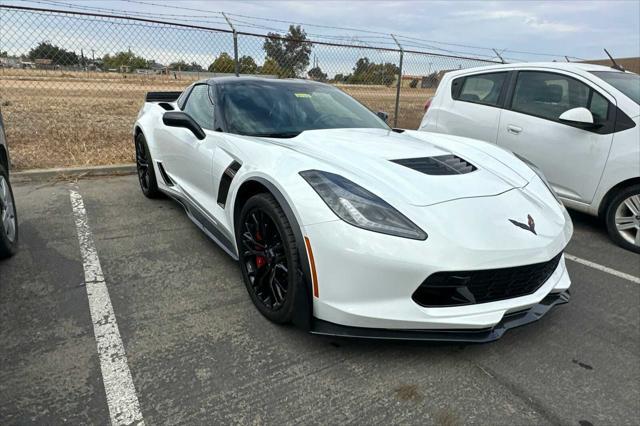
(514, 129)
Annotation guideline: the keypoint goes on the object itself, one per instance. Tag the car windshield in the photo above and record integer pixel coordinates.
(286, 109)
(626, 82)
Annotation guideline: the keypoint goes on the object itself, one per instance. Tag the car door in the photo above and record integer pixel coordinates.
(572, 158)
(192, 159)
(472, 108)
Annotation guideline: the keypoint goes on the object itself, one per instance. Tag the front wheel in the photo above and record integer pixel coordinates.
(623, 218)
(8, 217)
(268, 257)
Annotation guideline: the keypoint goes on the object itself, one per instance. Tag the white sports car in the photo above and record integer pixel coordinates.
(347, 227)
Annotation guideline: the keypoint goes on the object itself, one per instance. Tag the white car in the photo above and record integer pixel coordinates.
(347, 227)
(578, 123)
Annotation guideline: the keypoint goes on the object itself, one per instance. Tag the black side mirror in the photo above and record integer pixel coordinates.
(182, 119)
(383, 115)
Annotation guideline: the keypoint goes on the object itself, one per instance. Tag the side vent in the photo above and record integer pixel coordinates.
(225, 182)
(165, 177)
(166, 106)
(438, 165)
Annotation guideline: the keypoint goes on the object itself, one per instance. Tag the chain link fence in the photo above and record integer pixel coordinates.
(71, 83)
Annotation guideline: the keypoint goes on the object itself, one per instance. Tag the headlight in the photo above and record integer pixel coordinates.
(359, 207)
(540, 175)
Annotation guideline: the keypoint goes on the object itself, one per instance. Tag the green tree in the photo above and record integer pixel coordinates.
(367, 72)
(183, 66)
(3, 54)
(290, 52)
(58, 56)
(270, 67)
(247, 65)
(125, 59)
(317, 74)
(223, 64)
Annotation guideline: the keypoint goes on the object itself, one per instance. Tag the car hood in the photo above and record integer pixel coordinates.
(366, 156)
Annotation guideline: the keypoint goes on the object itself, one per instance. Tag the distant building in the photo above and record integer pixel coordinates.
(44, 63)
(10, 62)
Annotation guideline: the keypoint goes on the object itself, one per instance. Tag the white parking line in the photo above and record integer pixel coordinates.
(122, 400)
(602, 268)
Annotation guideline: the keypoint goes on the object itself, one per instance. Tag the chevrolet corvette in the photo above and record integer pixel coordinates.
(347, 227)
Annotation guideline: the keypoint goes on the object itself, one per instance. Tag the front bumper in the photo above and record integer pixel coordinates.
(509, 321)
(366, 279)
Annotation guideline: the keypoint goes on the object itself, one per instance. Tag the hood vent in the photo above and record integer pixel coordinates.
(438, 165)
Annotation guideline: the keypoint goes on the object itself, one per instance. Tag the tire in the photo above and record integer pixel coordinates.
(625, 206)
(8, 217)
(145, 169)
(263, 232)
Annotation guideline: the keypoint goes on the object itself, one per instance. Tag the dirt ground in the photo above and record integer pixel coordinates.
(63, 119)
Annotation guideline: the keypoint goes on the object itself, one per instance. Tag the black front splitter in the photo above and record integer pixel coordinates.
(509, 321)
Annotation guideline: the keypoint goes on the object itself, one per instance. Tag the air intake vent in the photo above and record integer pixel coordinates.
(439, 165)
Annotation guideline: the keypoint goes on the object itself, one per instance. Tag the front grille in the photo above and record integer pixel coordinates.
(470, 287)
(438, 165)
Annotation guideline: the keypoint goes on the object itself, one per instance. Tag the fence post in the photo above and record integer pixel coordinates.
(395, 114)
(236, 61)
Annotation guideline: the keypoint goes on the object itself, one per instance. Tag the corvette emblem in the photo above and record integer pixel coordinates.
(530, 226)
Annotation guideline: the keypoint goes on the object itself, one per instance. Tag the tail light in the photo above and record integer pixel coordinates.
(428, 104)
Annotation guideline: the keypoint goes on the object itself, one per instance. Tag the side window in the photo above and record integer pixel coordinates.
(199, 106)
(599, 107)
(548, 95)
(481, 89)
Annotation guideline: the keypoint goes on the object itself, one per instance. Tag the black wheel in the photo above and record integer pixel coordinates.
(8, 217)
(623, 218)
(268, 257)
(146, 172)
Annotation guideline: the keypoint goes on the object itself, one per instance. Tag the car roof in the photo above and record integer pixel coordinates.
(567, 66)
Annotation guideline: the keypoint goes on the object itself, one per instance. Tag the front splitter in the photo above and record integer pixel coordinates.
(509, 321)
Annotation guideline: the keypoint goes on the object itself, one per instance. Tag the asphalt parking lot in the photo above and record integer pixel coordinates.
(200, 353)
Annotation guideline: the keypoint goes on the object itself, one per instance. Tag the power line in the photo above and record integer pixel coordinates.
(380, 37)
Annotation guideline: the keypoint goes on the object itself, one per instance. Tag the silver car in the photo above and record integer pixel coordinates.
(8, 215)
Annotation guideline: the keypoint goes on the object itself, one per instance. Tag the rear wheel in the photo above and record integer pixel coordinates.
(8, 217)
(623, 218)
(144, 166)
(268, 257)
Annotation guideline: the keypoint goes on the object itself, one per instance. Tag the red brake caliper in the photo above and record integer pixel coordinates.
(260, 260)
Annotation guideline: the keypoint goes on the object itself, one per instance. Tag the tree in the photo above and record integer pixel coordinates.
(270, 67)
(223, 64)
(247, 65)
(317, 74)
(183, 66)
(125, 59)
(367, 72)
(290, 52)
(58, 56)
(3, 54)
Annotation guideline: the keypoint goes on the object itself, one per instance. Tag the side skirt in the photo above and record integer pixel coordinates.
(206, 225)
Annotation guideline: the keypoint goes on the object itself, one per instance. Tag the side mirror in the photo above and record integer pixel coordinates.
(383, 115)
(182, 119)
(579, 117)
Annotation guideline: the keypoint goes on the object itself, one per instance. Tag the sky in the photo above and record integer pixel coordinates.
(579, 29)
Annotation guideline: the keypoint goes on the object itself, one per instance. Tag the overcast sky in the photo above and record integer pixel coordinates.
(575, 28)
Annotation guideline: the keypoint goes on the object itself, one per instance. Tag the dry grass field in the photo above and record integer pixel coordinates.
(63, 119)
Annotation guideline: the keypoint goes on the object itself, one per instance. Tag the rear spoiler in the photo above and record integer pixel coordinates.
(162, 96)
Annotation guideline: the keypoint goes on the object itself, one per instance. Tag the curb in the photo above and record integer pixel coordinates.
(38, 175)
